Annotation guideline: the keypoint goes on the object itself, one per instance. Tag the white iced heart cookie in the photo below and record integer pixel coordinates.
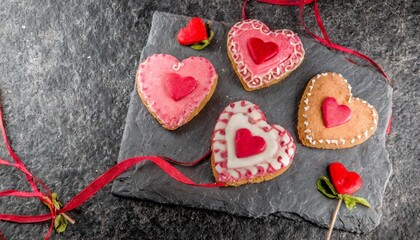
(246, 149)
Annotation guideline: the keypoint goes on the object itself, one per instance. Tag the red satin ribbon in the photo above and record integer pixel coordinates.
(100, 182)
(325, 39)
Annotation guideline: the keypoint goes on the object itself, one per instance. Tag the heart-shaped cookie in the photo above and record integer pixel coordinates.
(330, 117)
(246, 149)
(174, 92)
(344, 182)
(262, 57)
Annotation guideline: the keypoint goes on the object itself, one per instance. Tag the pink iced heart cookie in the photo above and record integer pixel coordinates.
(174, 92)
(246, 149)
(262, 57)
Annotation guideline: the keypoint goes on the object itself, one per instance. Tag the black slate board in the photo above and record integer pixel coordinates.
(293, 193)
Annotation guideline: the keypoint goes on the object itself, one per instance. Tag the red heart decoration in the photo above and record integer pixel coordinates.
(344, 182)
(261, 51)
(247, 145)
(334, 114)
(194, 32)
(178, 87)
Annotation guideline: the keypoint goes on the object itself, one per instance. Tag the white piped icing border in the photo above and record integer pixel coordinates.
(278, 71)
(282, 158)
(308, 133)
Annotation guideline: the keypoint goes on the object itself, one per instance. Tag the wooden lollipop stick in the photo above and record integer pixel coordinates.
(340, 200)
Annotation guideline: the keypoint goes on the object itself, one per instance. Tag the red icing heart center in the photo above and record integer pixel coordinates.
(344, 182)
(247, 145)
(194, 32)
(261, 51)
(178, 87)
(334, 114)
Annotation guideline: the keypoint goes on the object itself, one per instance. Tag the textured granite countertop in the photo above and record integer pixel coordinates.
(67, 71)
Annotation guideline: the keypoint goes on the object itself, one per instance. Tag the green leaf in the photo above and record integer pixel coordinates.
(355, 199)
(326, 187)
(57, 220)
(203, 44)
(211, 35)
(349, 201)
(60, 223)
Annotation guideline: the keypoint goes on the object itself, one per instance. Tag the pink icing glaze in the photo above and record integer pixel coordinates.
(151, 76)
(288, 58)
(268, 163)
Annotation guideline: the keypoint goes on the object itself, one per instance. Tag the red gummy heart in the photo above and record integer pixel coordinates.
(247, 145)
(334, 114)
(194, 32)
(261, 51)
(344, 182)
(178, 87)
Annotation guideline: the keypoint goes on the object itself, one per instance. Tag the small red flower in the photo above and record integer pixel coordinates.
(193, 33)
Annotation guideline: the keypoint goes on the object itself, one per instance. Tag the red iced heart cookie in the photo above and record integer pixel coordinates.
(174, 92)
(247, 145)
(333, 113)
(330, 117)
(194, 32)
(344, 182)
(261, 51)
(246, 149)
(261, 57)
(178, 87)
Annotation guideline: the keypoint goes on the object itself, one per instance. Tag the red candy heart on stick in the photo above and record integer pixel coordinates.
(344, 184)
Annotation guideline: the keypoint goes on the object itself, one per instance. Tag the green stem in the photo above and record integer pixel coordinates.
(68, 218)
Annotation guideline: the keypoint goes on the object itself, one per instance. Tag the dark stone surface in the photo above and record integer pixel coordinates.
(292, 193)
(67, 71)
